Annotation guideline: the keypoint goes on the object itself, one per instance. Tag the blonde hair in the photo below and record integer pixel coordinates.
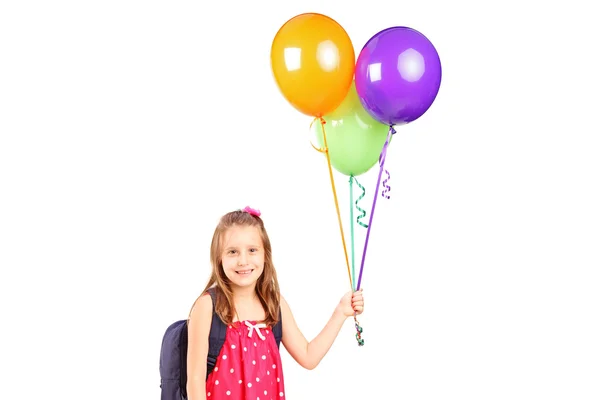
(267, 286)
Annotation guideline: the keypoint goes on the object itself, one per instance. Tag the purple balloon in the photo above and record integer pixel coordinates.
(398, 75)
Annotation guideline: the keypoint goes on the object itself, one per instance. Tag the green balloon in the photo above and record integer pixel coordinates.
(354, 138)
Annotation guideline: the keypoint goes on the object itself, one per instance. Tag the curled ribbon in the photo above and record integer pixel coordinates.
(363, 212)
(322, 122)
(359, 329)
(252, 328)
(386, 190)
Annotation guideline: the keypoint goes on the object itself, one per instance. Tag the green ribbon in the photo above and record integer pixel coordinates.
(352, 230)
(363, 213)
(360, 341)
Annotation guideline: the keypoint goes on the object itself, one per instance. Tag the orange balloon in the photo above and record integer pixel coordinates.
(313, 62)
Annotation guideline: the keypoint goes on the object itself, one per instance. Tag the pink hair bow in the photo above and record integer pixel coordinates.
(252, 211)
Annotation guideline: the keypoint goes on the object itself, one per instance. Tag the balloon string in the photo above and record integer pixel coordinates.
(363, 212)
(337, 207)
(325, 150)
(352, 229)
(381, 164)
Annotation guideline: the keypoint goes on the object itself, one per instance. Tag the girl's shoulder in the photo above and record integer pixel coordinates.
(203, 305)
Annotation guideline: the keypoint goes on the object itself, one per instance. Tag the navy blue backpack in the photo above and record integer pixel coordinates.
(173, 353)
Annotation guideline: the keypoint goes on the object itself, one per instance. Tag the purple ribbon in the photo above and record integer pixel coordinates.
(386, 190)
(381, 164)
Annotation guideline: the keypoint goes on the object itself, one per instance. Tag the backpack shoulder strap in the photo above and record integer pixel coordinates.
(216, 337)
(278, 330)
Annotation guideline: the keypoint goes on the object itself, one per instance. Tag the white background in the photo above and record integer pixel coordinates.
(127, 128)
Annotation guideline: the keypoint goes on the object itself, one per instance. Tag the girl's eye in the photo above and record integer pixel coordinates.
(231, 251)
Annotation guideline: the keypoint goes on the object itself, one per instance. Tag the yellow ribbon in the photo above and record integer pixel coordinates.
(337, 207)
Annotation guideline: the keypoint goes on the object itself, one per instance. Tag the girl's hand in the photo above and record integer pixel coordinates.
(352, 303)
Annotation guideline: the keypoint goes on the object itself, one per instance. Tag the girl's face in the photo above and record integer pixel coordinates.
(243, 255)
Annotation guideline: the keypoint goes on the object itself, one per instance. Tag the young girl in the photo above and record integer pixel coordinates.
(249, 303)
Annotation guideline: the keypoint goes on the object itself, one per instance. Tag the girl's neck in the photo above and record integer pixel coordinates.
(244, 294)
(246, 304)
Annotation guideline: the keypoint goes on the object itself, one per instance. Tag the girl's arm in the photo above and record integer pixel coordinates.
(198, 329)
(310, 354)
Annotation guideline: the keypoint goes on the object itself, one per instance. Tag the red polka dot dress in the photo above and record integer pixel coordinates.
(248, 367)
